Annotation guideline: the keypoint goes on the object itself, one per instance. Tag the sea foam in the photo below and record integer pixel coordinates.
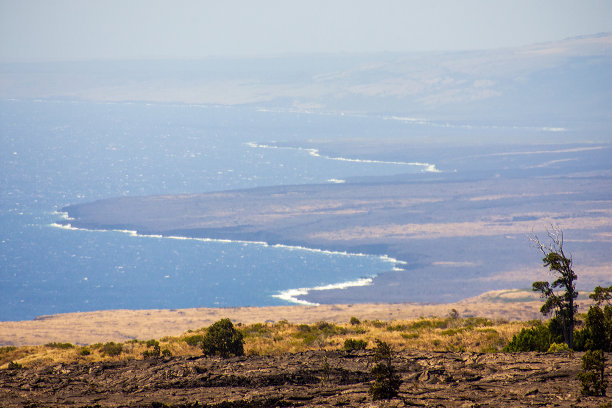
(291, 295)
(427, 167)
(288, 295)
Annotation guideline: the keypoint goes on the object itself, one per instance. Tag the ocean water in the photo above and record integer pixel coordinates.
(56, 153)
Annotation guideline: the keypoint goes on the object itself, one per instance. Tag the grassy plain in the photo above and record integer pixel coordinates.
(475, 334)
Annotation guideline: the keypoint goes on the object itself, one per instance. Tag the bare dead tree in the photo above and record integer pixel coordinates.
(560, 302)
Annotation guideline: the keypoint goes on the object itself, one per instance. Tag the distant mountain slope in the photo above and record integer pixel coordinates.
(564, 80)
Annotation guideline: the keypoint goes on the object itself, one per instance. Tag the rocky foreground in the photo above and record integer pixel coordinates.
(308, 379)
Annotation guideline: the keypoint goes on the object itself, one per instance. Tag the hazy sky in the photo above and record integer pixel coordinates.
(39, 30)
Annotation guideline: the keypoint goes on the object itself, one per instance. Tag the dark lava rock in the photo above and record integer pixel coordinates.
(332, 379)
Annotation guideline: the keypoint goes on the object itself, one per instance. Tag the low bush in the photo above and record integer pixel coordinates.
(112, 348)
(317, 333)
(397, 327)
(155, 350)
(223, 339)
(152, 343)
(537, 338)
(477, 322)
(195, 340)
(378, 324)
(452, 332)
(256, 330)
(352, 344)
(60, 345)
(354, 321)
(592, 377)
(558, 348)
(7, 349)
(14, 366)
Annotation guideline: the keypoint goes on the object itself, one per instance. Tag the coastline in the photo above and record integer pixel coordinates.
(122, 325)
(450, 239)
(291, 295)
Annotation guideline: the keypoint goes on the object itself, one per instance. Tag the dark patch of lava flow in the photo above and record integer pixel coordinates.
(318, 378)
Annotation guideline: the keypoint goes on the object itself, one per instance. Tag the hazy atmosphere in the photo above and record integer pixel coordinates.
(181, 154)
(68, 30)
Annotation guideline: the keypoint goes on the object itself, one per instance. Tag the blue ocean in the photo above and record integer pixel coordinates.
(56, 153)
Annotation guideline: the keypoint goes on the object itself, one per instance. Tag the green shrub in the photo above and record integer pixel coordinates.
(154, 353)
(60, 345)
(329, 329)
(386, 381)
(597, 334)
(7, 349)
(166, 353)
(537, 338)
(318, 332)
(112, 348)
(378, 324)
(558, 348)
(409, 336)
(303, 328)
(256, 330)
(452, 332)
(477, 322)
(14, 366)
(85, 351)
(599, 330)
(223, 339)
(195, 340)
(592, 377)
(354, 321)
(352, 344)
(152, 343)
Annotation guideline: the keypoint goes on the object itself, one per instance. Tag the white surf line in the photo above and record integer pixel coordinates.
(570, 150)
(428, 167)
(291, 295)
(132, 233)
(425, 122)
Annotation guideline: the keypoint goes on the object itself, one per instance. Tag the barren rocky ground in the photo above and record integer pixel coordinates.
(308, 379)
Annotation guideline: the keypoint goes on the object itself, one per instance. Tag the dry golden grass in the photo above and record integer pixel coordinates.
(474, 334)
(124, 325)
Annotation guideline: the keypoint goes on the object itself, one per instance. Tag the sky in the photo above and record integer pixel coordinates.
(45, 30)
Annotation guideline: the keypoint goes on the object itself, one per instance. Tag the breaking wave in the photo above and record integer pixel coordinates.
(291, 295)
(427, 167)
(288, 295)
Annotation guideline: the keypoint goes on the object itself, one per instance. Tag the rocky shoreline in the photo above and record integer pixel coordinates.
(318, 378)
(480, 224)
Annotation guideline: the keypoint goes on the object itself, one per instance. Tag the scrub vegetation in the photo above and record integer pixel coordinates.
(451, 333)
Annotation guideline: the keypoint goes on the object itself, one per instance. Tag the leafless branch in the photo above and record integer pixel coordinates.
(555, 235)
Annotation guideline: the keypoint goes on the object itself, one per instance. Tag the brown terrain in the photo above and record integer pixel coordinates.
(482, 226)
(316, 378)
(122, 325)
(319, 377)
